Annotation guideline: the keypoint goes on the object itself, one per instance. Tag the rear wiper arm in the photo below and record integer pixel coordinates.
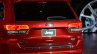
(56, 18)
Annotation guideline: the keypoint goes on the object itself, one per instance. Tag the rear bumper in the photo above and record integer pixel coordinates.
(78, 51)
(12, 47)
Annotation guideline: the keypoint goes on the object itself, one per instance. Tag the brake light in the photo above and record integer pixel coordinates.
(16, 29)
(75, 27)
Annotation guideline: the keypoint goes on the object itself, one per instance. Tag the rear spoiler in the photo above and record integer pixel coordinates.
(40, 0)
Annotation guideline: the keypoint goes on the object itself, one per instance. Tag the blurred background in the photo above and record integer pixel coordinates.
(87, 12)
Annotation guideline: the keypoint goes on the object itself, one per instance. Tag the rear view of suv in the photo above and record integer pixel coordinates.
(42, 27)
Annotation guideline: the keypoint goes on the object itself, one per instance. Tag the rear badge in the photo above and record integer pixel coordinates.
(49, 24)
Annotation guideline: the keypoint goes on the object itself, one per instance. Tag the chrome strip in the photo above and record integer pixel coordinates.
(48, 47)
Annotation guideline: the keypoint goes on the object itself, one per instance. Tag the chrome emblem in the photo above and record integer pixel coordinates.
(49, 24)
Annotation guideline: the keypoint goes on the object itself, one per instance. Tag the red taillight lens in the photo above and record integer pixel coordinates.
(16, 29)
(75, 27)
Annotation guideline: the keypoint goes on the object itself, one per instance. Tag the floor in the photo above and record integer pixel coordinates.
(90, 43)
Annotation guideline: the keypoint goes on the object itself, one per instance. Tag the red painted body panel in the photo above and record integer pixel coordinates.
(33, 42)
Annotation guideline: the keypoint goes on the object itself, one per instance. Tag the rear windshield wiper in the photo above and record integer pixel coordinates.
(56, 18)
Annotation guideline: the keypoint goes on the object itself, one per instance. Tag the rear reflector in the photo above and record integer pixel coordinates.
(16, 27)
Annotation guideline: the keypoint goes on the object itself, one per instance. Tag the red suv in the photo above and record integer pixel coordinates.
(40, 27)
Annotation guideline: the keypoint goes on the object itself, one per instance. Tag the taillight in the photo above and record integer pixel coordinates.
(75, 27)
(16, 29)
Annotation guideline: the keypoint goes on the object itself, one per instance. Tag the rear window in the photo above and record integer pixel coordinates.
(36, 11)
(1, 11)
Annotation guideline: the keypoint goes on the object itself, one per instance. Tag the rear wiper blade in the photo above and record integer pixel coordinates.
(56, 18)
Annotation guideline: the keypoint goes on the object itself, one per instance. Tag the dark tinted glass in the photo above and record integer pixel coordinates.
(1, 11)
(34, 11)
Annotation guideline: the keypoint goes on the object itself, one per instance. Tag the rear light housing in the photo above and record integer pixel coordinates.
(75, 27)
(16, 29)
